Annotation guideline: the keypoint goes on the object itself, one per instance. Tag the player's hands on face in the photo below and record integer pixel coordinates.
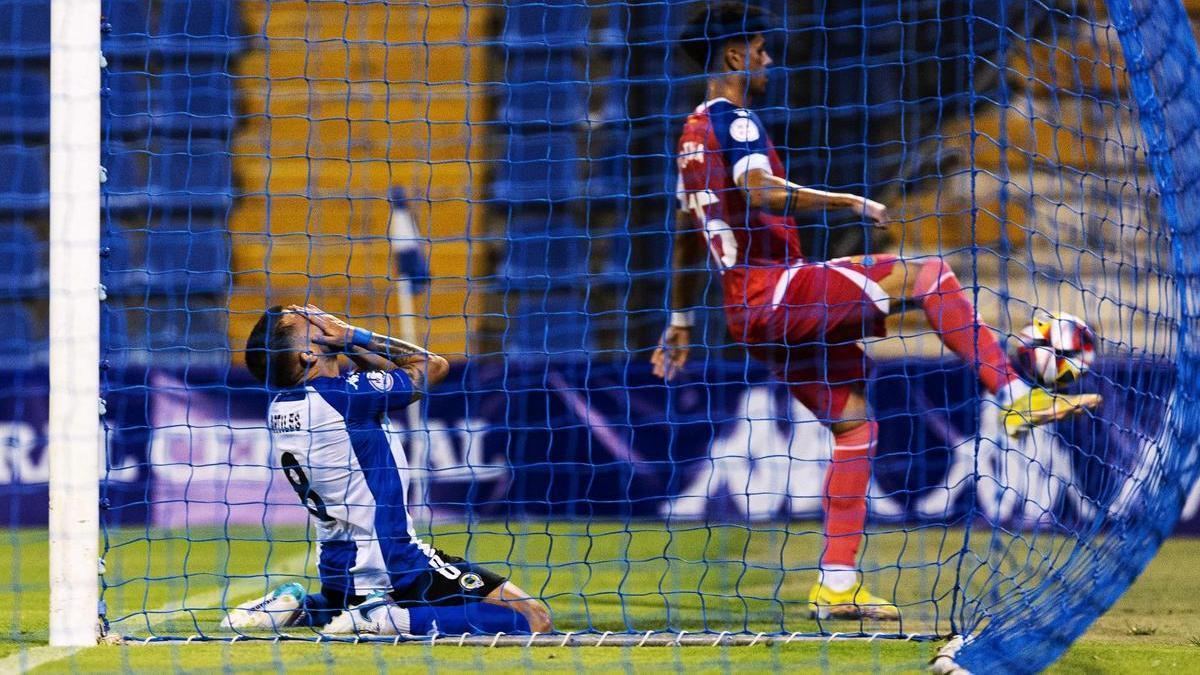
(327, 329)
(875, 212)
(672, 352)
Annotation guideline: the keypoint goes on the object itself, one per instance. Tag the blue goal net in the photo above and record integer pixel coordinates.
(763, 323)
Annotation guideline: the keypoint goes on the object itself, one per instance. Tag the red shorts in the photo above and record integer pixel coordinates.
(810, 333)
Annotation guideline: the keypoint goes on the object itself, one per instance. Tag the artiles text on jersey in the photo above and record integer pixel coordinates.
(282, 423)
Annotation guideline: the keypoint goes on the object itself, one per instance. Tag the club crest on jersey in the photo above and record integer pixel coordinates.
(743, 130)
(379, 380)
(470, 581)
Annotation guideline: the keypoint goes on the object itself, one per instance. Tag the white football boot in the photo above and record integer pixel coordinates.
(275, 610)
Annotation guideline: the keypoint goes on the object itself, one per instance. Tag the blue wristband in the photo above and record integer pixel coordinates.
(361, 338)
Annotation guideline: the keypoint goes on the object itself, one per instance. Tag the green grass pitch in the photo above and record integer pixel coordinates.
(610, 576)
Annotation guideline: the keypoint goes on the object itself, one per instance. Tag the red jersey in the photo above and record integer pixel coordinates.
(751, 247)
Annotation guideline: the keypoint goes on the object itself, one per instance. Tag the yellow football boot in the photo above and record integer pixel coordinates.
(1041, 406)
(853, 603)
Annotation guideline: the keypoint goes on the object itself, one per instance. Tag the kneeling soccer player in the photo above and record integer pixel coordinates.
(330, 434)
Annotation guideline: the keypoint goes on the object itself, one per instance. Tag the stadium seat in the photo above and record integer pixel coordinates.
(545, 90)
(114, 334)
(20, 336)
(24, 103)
(183, 328)
(190, 105)
(118, 271)
(539, 168)
(24, 265)
(27, 32)
(125, 104)
(25, 180)
(180, 260)
(199, 28)
(553, 324)
(538, 25)
(125, 186)
(126, 29)
(191, 176)
(545, 250)
(608, 172)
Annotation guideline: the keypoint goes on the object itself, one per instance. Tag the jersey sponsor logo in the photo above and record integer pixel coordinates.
(470, 581)
(693, 153)
(379, 380)
(743, 130)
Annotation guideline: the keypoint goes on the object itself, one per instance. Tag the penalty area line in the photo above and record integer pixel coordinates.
(29, 659)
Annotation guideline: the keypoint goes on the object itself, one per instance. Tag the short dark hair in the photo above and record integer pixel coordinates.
(710, 27)
(271, 350)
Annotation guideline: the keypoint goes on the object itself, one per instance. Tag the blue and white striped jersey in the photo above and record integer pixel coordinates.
(335, 444)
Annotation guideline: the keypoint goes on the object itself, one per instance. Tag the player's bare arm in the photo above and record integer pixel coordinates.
(380, 352)
(767, 191)
(688, 275)
(511, 596)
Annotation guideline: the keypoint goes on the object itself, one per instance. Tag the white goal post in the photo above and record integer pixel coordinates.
(73, 427)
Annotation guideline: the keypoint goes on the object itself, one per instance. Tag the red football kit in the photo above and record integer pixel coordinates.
(803, 319)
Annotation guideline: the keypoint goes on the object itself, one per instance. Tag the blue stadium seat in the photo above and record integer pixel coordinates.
(25, 180)
(182, 326)
(20, 335)
(114, 334)
(125, 187)
(539, 167)
(180, 260)
(190, 105)
(550, 325)
(173, 257)
(26, 31)
(24, 262)
(608, 172)
(546, 90)
(24, 103)
(192, 176)
(199, 28)
(545, 250)
(541, 24)
(125, 104)
(126, 29)
(122, 262)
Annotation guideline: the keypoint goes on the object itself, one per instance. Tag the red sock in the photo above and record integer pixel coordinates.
(845, 498)
(953, 316)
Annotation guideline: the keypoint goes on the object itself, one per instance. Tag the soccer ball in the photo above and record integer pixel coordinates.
(1056, 349)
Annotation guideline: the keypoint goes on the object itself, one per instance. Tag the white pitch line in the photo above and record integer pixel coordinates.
(28, 659)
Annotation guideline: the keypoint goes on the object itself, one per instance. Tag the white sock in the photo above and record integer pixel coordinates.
(390, 620)
(839, 578)
(1014, 390)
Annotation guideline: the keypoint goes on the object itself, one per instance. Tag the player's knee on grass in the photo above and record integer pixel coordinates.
(476, 618)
